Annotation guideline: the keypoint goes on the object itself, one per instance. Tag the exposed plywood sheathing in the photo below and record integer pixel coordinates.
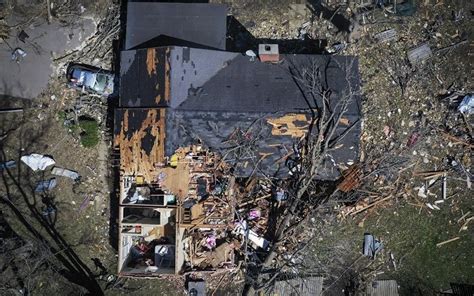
(344, 121)
(144, 78)
(151, 61)
(167, 75)
(176, 179)
(294, 125)
(124, 123)
(141, 148)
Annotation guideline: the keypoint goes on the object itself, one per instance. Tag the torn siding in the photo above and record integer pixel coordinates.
(140, 136)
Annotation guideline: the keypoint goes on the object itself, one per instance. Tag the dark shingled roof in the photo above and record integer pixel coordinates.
(209, 95)
(205, 80)
(144, 78)
(198, 23)
(223, 131)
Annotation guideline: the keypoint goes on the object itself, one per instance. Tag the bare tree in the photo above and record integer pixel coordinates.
(324, 134)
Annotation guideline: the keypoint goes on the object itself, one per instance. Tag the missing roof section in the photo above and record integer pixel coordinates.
(139, 135)
(145, 78)
(197, 23)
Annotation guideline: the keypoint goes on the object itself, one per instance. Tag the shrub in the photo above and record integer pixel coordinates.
(89, 132)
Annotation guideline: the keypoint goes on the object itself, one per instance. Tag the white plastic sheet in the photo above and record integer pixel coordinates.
(37, 161)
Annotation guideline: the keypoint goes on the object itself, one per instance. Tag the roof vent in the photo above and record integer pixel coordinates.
(268, 53)
(250, 53)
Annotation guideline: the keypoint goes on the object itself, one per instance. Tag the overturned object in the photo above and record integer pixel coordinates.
(37, 161)
(46, 185)
(419, 54)
(371, 246)
(386, 35)
(467, 105)
(66, 173)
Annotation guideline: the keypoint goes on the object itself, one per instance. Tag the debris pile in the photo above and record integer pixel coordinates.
(220, 216)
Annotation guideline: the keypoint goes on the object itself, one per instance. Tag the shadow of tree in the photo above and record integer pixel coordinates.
(19, 197)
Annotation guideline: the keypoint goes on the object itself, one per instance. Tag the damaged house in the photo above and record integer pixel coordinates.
(192, 118)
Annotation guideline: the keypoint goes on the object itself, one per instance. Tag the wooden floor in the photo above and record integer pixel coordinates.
(177, 179)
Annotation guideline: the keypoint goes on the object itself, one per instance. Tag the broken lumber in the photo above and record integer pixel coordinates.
(253, 200)
(371, 205)
(429, 174)
(12, 110)
(455, 139)
(464, 216)
(447, 241)
(464, 226)
(352, 178)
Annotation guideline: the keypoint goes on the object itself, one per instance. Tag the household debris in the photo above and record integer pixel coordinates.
(7, 165)
(66, 173)
(467, 105)
(371, 246)
(47, 185)
(259, 242)
(22, 36)
(419, 54)
(385, 36)
(302, 285)
(18, 55)
(37, 161)
(336, 48)
(383, 287)
(197, 288)
(49, 211)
